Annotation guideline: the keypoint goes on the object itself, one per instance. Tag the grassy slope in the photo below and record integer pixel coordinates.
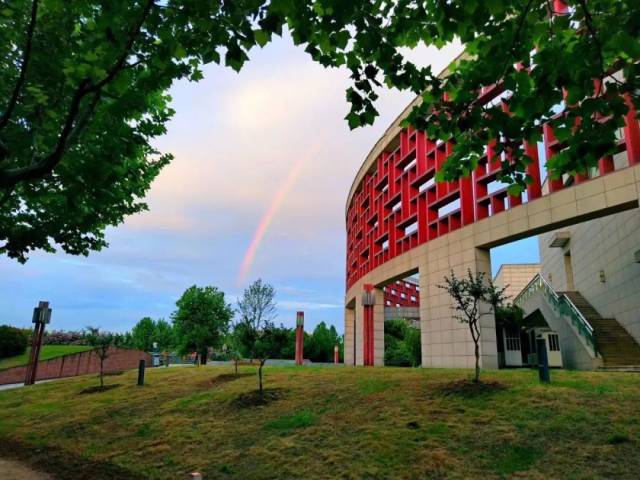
(47, 352)
(337, 422)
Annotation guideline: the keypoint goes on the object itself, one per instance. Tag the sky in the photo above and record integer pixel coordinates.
(263, 164)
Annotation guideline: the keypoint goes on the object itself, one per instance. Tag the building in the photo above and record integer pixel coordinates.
(400, 223)
(514, 277)
(588, 293)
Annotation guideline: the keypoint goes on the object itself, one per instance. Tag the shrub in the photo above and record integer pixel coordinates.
(59, 337)
(13, 341)
(401, 344)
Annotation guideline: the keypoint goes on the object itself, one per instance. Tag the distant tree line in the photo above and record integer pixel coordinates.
(203, 323)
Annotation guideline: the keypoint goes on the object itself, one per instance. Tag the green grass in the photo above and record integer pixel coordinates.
(46, 352)
(329, 423)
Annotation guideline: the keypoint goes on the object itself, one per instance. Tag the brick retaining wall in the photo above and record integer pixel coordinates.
(78, 364)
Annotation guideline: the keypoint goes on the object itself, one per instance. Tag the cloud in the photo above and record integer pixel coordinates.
(235, 138)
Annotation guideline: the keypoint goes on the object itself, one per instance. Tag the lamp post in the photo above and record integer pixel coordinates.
(41, 316)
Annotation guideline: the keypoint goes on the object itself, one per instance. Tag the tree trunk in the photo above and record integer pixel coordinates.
(203, 357)
(260, 375)
(477, 351)
(235, 362)
(101, 372)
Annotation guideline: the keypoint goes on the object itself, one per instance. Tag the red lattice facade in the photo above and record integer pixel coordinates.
(402, 293)
(397, 205)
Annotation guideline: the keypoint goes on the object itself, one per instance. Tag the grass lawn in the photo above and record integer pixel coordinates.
(46, 352)
(329, 423)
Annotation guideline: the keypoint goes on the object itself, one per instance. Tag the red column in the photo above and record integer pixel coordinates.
(534, 189)
(466, 200)
(336, 354)
(632, 133)
(299, 337)
(549, 139)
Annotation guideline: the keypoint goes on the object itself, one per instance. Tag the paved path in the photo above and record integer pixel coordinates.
(13, 470)
(10, 386)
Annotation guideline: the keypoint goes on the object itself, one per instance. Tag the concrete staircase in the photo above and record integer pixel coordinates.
(618, 349)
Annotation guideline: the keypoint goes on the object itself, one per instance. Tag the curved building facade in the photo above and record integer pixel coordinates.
(400, 223)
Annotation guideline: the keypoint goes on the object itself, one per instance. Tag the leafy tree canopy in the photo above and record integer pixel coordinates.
(201, 320)
(148, 331)
(83, 88)
(318, 347)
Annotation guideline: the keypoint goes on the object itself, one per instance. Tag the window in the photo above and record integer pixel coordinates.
(408, 285)
(388, 303)
(417, 289)
(554, 342)
(393, 292)
(398, 305)
(512, 340)
(413, 298)
(403, 295)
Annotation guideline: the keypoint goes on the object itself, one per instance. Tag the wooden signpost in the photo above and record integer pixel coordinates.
(41, 316)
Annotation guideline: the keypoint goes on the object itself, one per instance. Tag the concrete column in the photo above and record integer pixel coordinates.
(378, 328)
(349, 335)
(359, 330)
(446, 342)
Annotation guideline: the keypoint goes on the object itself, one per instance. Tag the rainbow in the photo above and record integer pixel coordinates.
(271, 212)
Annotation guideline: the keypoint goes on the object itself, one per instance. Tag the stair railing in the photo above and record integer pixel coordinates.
(562, 304)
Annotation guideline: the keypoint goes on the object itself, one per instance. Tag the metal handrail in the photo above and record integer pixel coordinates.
(561, 304)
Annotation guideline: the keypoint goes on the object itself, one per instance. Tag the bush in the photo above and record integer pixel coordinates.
(401, 344)
(13, 341)
(398, 355)
(59, 337)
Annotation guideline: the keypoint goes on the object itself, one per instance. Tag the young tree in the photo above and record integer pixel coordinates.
(201, 320)
(468, 294)
(255, 330)
(101, 342)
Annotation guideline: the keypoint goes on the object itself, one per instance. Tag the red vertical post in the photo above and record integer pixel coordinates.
(299, 337)
(336, 354)
(555, 184)
(560, 7)
(632, 133)
(534, 189)
(466, 200)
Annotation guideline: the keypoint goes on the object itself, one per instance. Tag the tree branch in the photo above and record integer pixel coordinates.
(588, 21)
(26, 55)
(120, 63)
(72, 128)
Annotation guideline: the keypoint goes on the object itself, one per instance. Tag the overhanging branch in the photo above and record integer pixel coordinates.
(26, 55)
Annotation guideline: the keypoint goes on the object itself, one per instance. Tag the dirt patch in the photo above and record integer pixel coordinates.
(468, 389)
(223, 378)
(57, 464)
(98, 389)
(19, 471)
(257, 399)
